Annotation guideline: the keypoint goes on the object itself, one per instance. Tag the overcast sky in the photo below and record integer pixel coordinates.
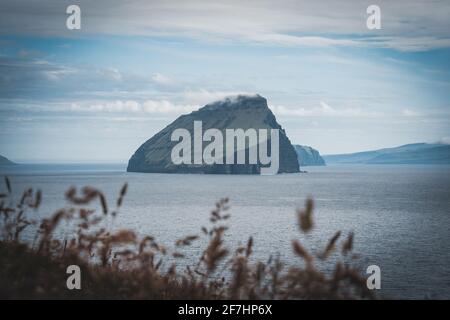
(96, 94)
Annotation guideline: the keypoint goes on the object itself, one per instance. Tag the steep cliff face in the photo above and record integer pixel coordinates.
(5, 162)
(239, 112)
(308, 156)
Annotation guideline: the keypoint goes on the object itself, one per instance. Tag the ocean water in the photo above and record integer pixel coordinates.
(400, 214)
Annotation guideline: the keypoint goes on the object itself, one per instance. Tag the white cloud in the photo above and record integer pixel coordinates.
(162, 107)
(324, 110)
(58, 74)
(160, 79)
(410, 113)
(166, 107)
(289, 40)
(113, 106)
(202, 97)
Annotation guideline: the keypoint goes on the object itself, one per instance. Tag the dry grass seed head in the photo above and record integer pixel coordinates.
(302, 252)
(305, 217)
(348, 244)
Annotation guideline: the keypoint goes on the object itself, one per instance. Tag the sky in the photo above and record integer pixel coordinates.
(96, 94)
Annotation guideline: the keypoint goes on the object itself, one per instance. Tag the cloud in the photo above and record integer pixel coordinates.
(444, 140)
(410, 43)
(324, 110)
(290, 40)
(410, 113)
(416, 25)
(58, 73)
(202, 97)
(111, 73)
(24, 77)
(161, 107)
(166, 107)
(28, 83)
(113, 106)
(162, 79)
(27, 77)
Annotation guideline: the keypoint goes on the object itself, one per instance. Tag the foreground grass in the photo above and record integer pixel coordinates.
(120, 265)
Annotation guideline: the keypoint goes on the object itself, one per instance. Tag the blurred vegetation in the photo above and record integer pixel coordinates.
(121, 265)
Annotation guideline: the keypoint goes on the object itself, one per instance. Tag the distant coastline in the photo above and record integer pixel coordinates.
(416, 153)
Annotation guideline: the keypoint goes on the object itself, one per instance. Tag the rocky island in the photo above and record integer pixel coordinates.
(308, 156)
(237, 112)
(6, 162)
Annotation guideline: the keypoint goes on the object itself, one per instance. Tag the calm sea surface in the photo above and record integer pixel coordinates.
(400, 214)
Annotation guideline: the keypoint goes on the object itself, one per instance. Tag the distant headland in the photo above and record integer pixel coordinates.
(308, 156)
(415, 153)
